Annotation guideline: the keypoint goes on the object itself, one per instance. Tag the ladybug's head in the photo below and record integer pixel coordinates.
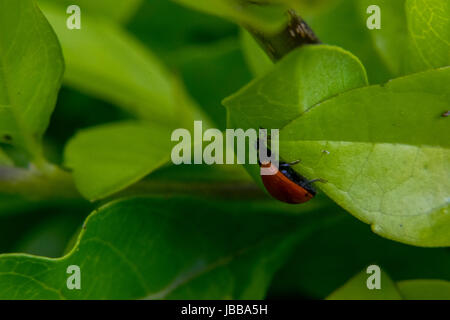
(269, 153)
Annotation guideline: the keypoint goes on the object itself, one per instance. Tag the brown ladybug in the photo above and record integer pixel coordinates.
(286, 184)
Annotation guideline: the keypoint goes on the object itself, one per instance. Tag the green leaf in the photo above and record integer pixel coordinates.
(149, 248)
(302, 79)
(424, 289)
(392, 41)
(268, 18)
(105, 61)
(108, 158)
(429, 27)
(343, 23)
(414, 34)
(356, 289)
(31, 68)
(117, 10)
(376, 167)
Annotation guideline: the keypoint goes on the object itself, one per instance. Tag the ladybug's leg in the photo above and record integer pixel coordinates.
(317, 180)
(288, 164)
(293, 163)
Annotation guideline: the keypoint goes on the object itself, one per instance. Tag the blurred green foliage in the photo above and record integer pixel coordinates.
(156, 65)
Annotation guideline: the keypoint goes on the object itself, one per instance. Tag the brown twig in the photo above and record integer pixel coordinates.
(296, 34)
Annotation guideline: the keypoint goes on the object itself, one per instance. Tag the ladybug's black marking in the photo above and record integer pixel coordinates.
(295, 177)
(286, 169)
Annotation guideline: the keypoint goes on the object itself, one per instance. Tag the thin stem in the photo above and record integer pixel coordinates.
(296, 34)
(46, 182)
(54, 183)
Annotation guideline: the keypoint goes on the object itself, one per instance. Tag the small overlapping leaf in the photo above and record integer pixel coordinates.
(305, 77)
(31, 68)
(111, 157)
(414, 34)
(429, 28)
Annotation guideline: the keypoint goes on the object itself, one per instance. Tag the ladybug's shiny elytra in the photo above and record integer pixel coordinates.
(286, 184)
